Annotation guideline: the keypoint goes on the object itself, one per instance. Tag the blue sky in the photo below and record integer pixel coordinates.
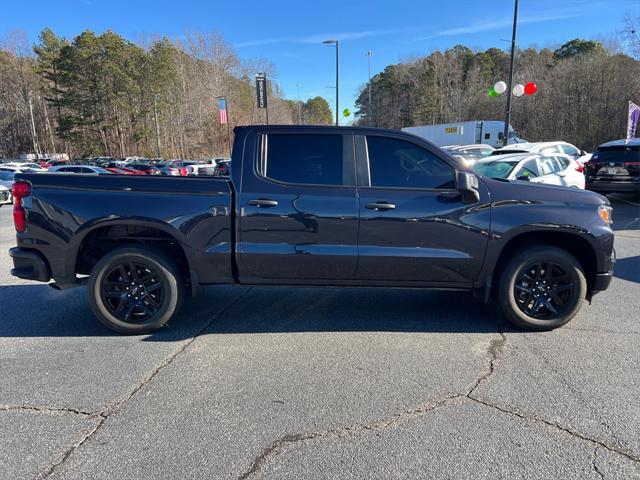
(289, 33)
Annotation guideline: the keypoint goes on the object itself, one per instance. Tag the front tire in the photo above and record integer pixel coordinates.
(135, 290)
(541, 288)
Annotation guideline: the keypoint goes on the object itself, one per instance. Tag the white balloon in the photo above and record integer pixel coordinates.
(518, 90)
(500, 87)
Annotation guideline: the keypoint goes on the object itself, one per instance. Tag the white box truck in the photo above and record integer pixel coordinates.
(488, 132)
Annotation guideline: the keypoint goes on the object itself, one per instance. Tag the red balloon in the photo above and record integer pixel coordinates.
(530, 88)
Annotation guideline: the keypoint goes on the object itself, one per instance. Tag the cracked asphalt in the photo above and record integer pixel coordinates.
(321, 384)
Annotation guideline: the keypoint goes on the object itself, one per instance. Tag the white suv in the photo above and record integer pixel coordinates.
(546, 148)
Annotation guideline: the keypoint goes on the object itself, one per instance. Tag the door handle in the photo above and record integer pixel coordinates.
(263, 202)
(380, 206)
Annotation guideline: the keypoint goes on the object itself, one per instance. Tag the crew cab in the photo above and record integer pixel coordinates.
(314, 206)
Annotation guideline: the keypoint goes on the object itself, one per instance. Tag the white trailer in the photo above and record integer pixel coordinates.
(489, 132)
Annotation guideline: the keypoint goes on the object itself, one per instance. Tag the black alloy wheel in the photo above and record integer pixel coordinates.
(132, 292)
(543, 290)
(136, 289)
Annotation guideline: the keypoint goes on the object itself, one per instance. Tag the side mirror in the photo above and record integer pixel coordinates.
(467, 185)
(523, 177)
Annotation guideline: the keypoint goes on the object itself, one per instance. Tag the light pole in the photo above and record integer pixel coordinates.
(369, 112)
(507, 115)
(337, 48)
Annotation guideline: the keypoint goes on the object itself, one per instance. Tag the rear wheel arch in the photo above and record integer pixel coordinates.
(104, 238)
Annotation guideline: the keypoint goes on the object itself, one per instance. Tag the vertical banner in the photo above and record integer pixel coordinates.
(261, 90)
(632, 122)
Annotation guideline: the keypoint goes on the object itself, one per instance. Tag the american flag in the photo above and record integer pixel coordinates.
(634, 119)
(222, 106)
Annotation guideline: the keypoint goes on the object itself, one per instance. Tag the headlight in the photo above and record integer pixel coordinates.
(605, 213)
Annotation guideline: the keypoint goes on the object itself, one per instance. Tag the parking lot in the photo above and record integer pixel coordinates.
(321, 383)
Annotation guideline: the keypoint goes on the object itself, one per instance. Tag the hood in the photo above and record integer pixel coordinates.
(540, 192)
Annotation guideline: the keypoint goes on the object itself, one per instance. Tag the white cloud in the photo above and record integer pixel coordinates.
(496, 25)
(319, 37)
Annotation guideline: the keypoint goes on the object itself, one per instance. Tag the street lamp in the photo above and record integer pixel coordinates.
(507, 113)
(369, 113)
(329, 42)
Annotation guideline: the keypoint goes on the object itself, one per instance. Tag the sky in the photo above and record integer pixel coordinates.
(289, 33)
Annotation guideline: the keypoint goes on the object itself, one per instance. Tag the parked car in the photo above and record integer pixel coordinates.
(223, 167)
(124, 171)
(556, 169)
(547, 148)
(84, 169)
(23, 166)
(6, 178)
(347, 206)
(480, 150)
(47, 164)
(614, 167)
(5, 195)
(144, 168)
(166, 169)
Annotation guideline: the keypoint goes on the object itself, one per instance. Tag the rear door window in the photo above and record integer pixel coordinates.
(311, 159)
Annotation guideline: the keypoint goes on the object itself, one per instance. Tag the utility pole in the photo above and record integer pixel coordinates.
(336, 43)
(33, 127)
(369, 111)
(507, 115)
(155, 116)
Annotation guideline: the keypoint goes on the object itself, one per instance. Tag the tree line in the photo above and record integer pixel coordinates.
(584, 90)
(105, 95)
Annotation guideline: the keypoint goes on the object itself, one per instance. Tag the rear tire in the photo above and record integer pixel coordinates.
(135, 290)
(541, 288)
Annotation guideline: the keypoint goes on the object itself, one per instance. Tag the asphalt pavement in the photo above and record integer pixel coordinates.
(333, 383)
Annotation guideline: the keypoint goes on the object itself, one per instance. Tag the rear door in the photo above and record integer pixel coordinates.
(414, 227)
(298, 208)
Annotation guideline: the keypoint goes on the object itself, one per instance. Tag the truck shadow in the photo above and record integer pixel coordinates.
(39, 311)
(628, 268)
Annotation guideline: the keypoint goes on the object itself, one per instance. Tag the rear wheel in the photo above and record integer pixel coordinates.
(135, 290)
(541, 288)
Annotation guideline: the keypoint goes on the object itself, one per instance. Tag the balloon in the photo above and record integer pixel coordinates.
(346, 112)
(500, 87)
(518, 90)
(530, 88)
(493, 93)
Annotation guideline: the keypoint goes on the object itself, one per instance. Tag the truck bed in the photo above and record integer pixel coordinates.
(65, 210)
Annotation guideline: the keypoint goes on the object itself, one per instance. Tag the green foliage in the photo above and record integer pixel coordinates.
(577, 47)
(316, 111)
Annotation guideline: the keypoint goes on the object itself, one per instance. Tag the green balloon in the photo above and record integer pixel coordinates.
(493, 93)
(346, 112)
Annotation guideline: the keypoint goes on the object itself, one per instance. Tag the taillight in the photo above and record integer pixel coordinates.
(183, 172)
(579, 168)
(19, 191)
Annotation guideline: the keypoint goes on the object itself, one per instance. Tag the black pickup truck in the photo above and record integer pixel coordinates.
(321, 206)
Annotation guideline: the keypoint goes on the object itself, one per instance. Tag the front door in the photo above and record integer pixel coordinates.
(414, 226)
(299, 209)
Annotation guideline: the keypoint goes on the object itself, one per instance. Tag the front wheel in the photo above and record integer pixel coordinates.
(541, 288)
(135, 290)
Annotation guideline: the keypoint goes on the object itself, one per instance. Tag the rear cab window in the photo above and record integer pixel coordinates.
(305, 159)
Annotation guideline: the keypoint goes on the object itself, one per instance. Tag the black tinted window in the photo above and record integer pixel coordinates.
(400, 164)
(307, 159)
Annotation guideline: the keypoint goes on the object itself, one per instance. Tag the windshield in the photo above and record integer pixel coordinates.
(495, 169)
